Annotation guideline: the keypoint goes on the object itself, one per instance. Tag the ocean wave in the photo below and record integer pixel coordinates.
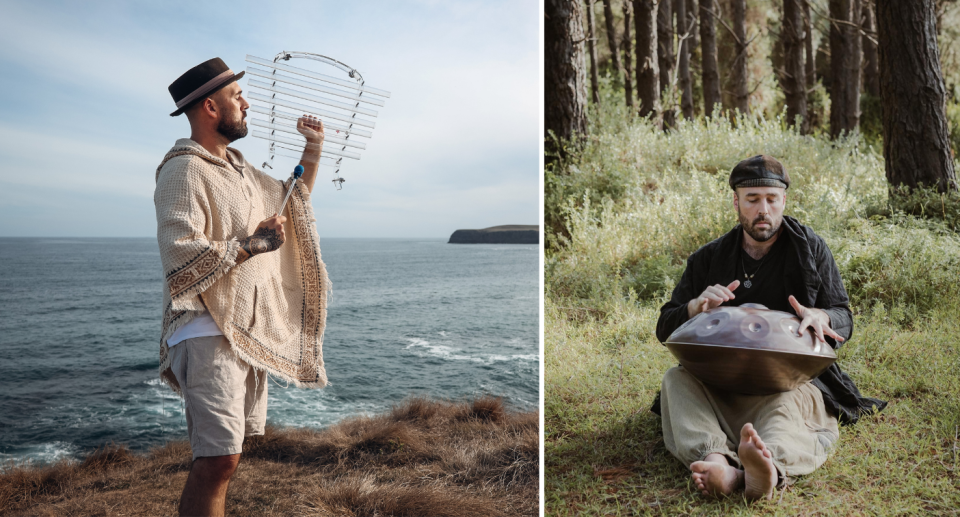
(453, 354)
(44, 453)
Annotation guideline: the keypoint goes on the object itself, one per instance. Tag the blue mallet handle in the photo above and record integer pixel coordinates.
(297, 172)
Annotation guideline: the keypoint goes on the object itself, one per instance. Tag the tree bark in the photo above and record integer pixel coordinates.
(565, 92)
(845, 59)
(708, 57)
(811, 58)
(627, 54)
(692, 7)
(794, 80)
(683, 66)
(665, 59)
(871, 70)
(648, 72)
(612, 36)
(627, 46)
(741, 94)
(916, 144)
(592, 48)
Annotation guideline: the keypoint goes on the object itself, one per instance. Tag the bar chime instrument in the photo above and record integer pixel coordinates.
(283, 93)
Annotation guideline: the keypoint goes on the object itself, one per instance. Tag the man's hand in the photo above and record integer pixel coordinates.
(814, 318)
(311, 128)
(711, 298)
(266, 238)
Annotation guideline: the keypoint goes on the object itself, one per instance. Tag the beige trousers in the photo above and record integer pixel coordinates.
(698, 420)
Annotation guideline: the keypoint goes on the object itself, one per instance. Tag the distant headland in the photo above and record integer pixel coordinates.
(506, 234)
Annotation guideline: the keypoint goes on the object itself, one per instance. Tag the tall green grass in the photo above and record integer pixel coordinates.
(626, 209)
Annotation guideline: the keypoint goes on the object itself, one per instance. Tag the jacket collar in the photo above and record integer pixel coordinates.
(802, 258)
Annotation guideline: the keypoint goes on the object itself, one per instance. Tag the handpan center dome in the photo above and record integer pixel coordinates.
(749, 349)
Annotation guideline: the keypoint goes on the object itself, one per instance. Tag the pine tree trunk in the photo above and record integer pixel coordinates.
(627, 44)
(648, 73)
(741, 93)
(811, 58)
(916, 144)
(665, 60)
(564, 82)
(612, 36)
(794, 80)
(683, 65)
(845, 59)
(592, 48)
(871, 70)
(708, 56)
(692, 7)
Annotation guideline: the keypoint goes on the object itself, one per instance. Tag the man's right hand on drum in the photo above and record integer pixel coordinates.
(711, 298)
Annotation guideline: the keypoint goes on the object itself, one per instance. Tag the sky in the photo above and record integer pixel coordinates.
(84, 109)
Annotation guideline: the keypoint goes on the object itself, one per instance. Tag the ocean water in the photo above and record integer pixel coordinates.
(80, 325)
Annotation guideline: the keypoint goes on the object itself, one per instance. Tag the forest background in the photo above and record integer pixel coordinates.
(632, 189)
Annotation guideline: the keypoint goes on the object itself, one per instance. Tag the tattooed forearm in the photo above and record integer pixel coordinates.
(262, 241)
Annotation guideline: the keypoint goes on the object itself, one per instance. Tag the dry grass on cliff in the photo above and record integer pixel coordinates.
(422, 458)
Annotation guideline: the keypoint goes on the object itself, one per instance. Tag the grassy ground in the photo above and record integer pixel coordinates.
(625, 212)
(422, 458)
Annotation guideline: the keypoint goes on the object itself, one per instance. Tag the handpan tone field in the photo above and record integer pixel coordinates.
(282, 93)
(749, 349)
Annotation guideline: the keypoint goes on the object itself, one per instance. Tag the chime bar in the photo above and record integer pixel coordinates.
(329, 160)
(290, 154)
(274, 76)
(294, 117)
(346, 106)
(320, 77)
(293, 129)
(311, 110)
(288, 141)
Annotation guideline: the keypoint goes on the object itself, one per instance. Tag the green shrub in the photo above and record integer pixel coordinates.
(901, 263)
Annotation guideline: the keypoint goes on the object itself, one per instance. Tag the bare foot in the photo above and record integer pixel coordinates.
(760, 476)
(715, 476)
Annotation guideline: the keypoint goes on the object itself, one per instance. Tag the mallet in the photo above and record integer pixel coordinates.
(297, 172)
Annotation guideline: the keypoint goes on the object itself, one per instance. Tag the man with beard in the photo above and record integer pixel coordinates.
(732, 441)
(245, 289)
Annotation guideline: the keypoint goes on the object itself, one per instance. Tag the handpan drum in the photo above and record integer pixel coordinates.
(750, 350)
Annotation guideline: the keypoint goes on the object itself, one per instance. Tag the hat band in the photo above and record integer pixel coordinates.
(761, 182)
(205, 89)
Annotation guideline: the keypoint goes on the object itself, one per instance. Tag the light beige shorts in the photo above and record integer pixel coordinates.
(225, 398)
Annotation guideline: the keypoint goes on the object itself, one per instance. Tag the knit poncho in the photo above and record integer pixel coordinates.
(272, 307)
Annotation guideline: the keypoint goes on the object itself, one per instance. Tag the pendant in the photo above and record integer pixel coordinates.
(747, 284)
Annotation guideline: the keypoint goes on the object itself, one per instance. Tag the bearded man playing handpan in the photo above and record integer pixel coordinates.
(245, 290)
(756, 442)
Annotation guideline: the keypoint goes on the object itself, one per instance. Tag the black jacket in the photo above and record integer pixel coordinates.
(810, 274)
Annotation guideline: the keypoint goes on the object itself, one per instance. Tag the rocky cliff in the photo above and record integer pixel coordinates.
(507, 234)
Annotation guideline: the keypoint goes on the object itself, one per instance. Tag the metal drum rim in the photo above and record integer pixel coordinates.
(757, 349)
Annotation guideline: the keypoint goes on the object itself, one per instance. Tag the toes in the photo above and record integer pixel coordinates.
(699, 467)
(758, 443)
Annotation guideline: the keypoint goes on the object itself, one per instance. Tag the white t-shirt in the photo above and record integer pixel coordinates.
(201, 326)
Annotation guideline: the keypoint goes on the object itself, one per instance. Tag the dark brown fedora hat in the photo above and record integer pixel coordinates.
(200, 82)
